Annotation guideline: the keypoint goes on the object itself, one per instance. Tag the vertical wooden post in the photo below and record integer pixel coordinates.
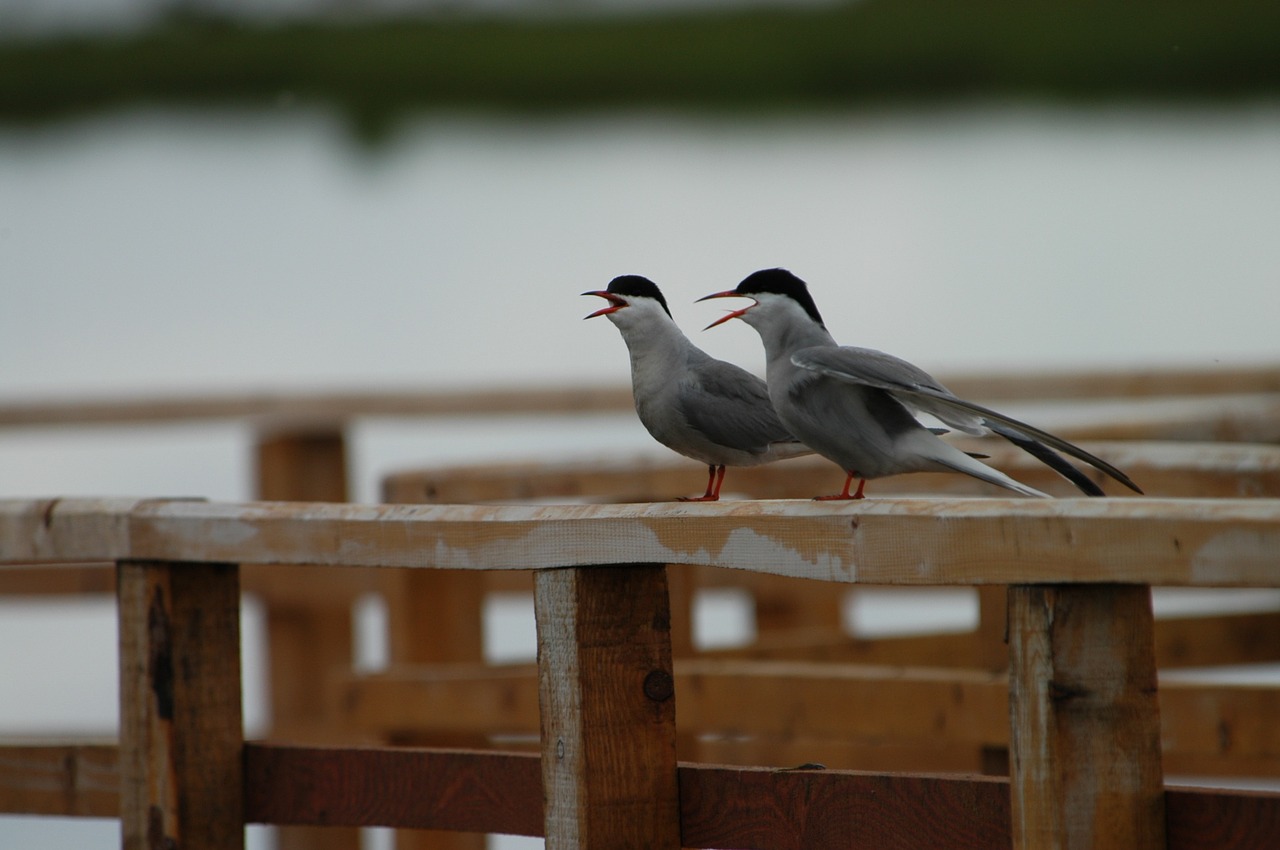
(181, 728)
(305, 640)
(991, 648)
(606, 694)
(1085, 737)
(437, 616)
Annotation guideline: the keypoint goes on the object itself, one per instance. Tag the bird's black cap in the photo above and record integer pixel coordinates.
(781, 282)
(635, 285)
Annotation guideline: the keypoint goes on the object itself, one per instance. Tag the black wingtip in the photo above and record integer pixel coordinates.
(1049, 458)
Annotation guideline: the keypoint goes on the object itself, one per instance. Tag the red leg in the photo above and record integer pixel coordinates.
(844, 494)
(719, 482)
(715, 477)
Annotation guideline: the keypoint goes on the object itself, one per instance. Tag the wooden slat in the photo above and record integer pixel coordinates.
(1207, 728)
(1199, 818)
(76, 780)
(307, 637)
(607, 702)
(181, 732)
(333, 406)
(403, 787)
(721, 807)
(1085, 742)
(1228, 542)
(796, 810)
(1117, 383)
(1196, 470)
(315, 408)
(1194, 641)
(64, 580)
(502, 792)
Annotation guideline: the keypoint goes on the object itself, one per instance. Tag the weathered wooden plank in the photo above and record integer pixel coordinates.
(76, 780)
(1227, 542)
(1195, 641)
(331, 406)
(307, 638)
(721, 807)
(1207, 728)
(759, 809)
(181, 732)
(1117, 383)
(502, 792)
(316, 408)
(58, 580)
(401, 787)
(64, 530)
(607, 704)
(1199, 818)
(1193, 470)
(1085, 723)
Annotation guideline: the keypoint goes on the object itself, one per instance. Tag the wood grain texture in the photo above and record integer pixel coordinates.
(1200, 818)
(1212, 542)
(1085, 720)
(307, 638)
(181, 732)
(757, 809)
(607, 704)
(1184, 470)
(720, 807)
(402, 787)
(821, 709)
(502, 792)
(77, 780)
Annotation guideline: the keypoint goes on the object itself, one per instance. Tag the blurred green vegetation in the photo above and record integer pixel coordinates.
(835, 56)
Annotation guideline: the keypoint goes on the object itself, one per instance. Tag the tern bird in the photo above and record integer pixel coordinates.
(856, 406)
(700, 407)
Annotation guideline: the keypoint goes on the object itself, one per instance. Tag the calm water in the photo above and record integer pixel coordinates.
(160, 251)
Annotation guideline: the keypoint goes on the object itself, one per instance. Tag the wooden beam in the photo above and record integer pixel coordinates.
(402, 787)
(63, 580)
(721, 807)
(1206, 543)
(607, 697)
(71, 780)
(1085, 749)
(333, 406)
(315, 408)
(1207, 728)
(181, 732)
(502, 792)
(802, 809)
(1195, 470)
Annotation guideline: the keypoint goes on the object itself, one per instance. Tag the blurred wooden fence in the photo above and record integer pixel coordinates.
(1084, 716)
(802, 690)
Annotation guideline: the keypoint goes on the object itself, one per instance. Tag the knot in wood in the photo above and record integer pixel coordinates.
(658, 685)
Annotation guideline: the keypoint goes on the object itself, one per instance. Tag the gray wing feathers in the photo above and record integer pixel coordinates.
(731, 407)
(912, 385)
(916, 388)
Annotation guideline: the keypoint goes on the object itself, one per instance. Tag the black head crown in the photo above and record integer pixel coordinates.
(635, 285)
(780, 282)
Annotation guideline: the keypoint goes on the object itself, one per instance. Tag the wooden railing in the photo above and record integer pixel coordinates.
(1084, 718)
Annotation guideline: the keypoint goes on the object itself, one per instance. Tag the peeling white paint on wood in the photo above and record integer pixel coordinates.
(1213, 542)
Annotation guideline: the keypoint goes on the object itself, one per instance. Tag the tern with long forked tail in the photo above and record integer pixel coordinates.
(856, 406)
(701, 407)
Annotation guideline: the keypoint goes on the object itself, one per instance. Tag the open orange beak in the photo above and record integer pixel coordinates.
(735, 314)
(616, 303)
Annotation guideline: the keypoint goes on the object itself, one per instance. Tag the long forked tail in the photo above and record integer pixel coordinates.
(1049, 458)
(956, 460)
